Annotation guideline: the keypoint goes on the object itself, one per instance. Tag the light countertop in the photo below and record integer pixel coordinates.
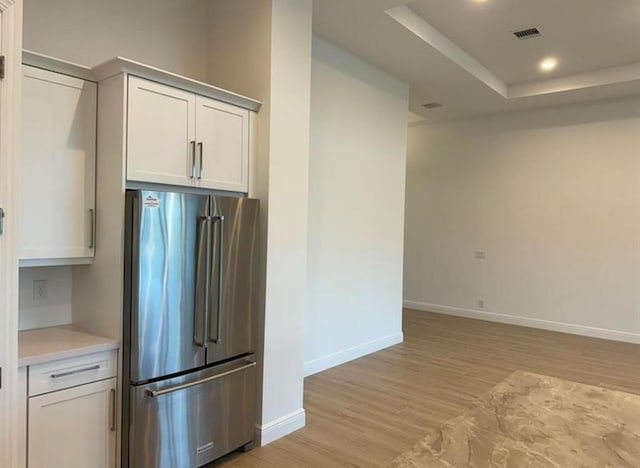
(49, 344)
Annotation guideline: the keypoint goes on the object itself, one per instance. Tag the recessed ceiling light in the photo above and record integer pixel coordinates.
(548, 64)
(480, 1)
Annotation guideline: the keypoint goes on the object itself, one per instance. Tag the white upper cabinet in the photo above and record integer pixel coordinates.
(222, 132)
(176, 137)
(161, 133)
(57, 168)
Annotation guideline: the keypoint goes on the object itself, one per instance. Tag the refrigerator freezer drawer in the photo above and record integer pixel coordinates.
(191, 420)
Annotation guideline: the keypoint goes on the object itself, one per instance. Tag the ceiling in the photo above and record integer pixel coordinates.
(462, 53)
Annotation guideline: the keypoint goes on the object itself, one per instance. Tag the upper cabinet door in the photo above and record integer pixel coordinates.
(223, 145)
(161, 134)
(58, 167)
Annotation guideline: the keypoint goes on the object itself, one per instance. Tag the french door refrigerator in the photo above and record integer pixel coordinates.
(189, 336)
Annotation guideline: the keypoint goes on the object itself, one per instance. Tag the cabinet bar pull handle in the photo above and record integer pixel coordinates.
(193, 160)
(164, 391)
(73, 372)
(200, 150)
(92, 236)
(1, 221)
(112, 416)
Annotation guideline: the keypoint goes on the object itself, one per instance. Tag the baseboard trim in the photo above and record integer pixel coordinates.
(335, 359)
(274, 430)
(570, 328)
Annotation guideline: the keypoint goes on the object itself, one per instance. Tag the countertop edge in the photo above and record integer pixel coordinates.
(67, 353)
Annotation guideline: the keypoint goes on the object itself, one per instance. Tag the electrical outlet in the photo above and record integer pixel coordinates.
(481, 304)
(481, 254)
(40, 290)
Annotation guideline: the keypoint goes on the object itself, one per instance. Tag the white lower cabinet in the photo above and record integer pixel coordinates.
(73, 428)
(71, 411)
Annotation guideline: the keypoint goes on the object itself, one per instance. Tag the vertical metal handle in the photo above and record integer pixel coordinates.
(220, 220)
(204, 229)
(1, 221)
(193, 159)
(207, 284)
(200, 151)
(92, 234)
(112, 415)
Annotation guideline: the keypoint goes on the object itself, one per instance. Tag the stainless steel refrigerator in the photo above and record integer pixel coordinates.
(189, 387)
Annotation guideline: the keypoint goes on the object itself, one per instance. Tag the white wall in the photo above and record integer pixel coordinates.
(165, 33)
(264, 49)
(356, 208)
(56, 308)
(552, 196)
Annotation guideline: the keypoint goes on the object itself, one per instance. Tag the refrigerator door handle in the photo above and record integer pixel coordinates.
(164, 391)
(207, 284)
(204, 229)
(220, 220)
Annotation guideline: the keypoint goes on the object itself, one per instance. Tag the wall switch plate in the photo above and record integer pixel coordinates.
(40, 290)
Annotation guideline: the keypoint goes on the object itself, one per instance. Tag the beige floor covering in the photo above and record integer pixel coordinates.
(530, 420)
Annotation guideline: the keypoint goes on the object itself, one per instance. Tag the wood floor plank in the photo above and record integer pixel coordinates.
(368, 411)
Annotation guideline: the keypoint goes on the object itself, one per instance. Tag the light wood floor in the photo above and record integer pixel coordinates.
(366, 412)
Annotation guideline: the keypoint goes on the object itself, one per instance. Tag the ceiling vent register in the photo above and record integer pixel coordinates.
(528, 33)
(432, 105)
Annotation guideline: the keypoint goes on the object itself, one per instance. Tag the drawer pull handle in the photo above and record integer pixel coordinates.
(164, 391)
(73, 372)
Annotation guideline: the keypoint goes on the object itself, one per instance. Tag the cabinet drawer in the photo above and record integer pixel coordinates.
(210, 412)
(65, 373)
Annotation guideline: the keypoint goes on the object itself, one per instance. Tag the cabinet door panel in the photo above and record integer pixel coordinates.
(223, 132)
(160, 131)
(72, 428)
(58, 166)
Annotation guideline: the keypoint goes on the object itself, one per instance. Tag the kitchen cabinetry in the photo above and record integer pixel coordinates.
(67, 399)
(73, 428)
(180, 138)
(161, 133)
(72, 412)
(57, 168)
(222, 131)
